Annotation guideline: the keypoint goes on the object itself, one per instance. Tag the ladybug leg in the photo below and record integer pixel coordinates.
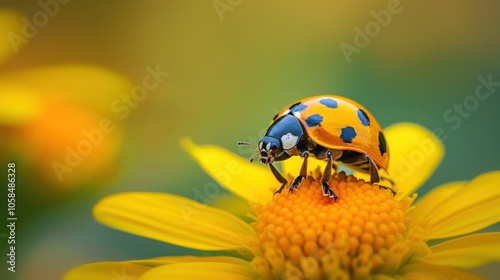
(302, 175)
(375, 178)
(388, 180)
(278, 177)
(327, 191)
(321, 152)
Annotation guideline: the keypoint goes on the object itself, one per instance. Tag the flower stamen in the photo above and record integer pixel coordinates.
(307, 235)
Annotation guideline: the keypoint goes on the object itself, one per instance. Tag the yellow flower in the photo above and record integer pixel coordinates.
(51, 120)
(304, 235)
(50, 124)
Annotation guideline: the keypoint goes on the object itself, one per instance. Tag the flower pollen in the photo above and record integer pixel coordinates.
(305, 235)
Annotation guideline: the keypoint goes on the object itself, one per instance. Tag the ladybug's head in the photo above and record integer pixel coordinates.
(284, 134)
(269, 148)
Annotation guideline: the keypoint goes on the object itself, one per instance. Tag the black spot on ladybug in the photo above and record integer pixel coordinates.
(382, 145)
(314, 120)
(297, 107)
(329, 102)
(347, 134)
(363, 117)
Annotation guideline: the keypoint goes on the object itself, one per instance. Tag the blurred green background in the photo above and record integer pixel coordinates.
(231, 66)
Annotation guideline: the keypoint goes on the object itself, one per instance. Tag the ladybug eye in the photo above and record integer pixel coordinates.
(268, 146)
(289, 141)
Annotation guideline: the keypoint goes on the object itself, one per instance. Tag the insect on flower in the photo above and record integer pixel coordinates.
(327, 127)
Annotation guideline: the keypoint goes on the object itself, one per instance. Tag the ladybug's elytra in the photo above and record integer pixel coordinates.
(327, 127)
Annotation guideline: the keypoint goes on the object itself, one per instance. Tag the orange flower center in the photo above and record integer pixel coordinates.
(306, 235)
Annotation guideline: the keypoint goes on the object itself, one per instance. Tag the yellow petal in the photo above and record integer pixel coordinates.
(233, 204)
(292, 166)
(470, 208)
(90, 144)
(229, 266)
(189, 259)
(415, 154)
(250, 181)
(18, 107)
(173, 219)
(83, 84)
(433, 199)
(201, 270)
(466, 252)
(421, 271)
(106, 271)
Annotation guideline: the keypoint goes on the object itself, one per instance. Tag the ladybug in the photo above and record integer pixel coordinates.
(327, 127)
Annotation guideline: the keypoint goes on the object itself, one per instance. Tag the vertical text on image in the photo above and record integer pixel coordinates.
(11, 218)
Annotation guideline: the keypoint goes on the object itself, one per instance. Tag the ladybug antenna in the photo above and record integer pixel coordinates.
(242, 143)
(254, 156)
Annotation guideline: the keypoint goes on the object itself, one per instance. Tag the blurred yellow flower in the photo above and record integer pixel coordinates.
(368, 233)
(55, 121)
